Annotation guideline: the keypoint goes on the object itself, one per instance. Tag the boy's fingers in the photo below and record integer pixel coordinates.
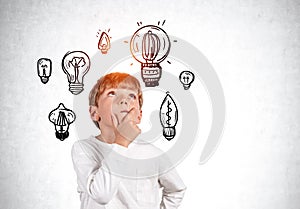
(131, 115)
(129, 130)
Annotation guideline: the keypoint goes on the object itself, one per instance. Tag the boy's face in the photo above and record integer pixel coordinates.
(115, 103)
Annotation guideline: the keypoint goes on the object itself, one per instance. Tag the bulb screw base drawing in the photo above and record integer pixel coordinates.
(44, 79)
(186, 86)
(76, 88)
(151, 82)
(169, 133)
(151, 73)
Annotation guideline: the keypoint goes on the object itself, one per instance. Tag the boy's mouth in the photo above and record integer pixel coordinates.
(124, 111)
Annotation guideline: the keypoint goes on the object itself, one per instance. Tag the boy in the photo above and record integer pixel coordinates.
(115, 107)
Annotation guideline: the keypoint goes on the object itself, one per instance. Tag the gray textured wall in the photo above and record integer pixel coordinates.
(254, 47)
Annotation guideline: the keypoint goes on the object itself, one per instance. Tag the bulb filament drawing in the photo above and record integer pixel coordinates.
(150, 46)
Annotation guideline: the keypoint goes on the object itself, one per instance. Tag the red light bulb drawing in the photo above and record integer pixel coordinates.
(150, 45)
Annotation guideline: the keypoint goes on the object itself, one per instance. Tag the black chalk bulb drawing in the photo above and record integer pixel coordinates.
(44, 69)
(186, 78)
(150, 45)
(62, 117)
(104, 43)
(168, 117)
(75, 65)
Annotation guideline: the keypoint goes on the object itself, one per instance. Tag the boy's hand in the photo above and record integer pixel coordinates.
(126, 130)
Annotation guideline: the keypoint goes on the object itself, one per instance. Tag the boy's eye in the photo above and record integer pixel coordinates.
(132, 96)
(111, 93)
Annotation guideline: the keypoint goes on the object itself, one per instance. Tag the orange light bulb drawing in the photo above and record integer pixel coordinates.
(104, 43)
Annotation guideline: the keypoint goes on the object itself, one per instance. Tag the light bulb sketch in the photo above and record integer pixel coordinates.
(104, 43)
(168, 117)
(150, 45)
(44, 69)
(186, 78)
(75, 64)
(62, 117)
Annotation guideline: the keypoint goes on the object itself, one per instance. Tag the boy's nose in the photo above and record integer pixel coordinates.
(124, 101)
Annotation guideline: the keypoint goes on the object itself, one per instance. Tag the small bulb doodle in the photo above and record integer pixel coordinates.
(168, 117)
(61, 117)
(150, 45)
(75, 65)
(44, 69)
(104, 43)
(186, 78)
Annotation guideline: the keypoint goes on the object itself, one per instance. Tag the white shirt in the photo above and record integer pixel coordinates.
(99, 188)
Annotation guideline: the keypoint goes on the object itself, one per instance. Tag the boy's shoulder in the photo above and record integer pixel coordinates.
(92, 141)
(85, 143)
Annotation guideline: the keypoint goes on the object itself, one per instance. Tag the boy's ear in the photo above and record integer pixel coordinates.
(93, 113)
(140, 117)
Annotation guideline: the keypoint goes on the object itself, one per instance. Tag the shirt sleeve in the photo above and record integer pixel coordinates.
(173, 190)
(93, 177)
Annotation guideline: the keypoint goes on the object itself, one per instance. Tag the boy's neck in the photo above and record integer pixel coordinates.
(106, 138)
